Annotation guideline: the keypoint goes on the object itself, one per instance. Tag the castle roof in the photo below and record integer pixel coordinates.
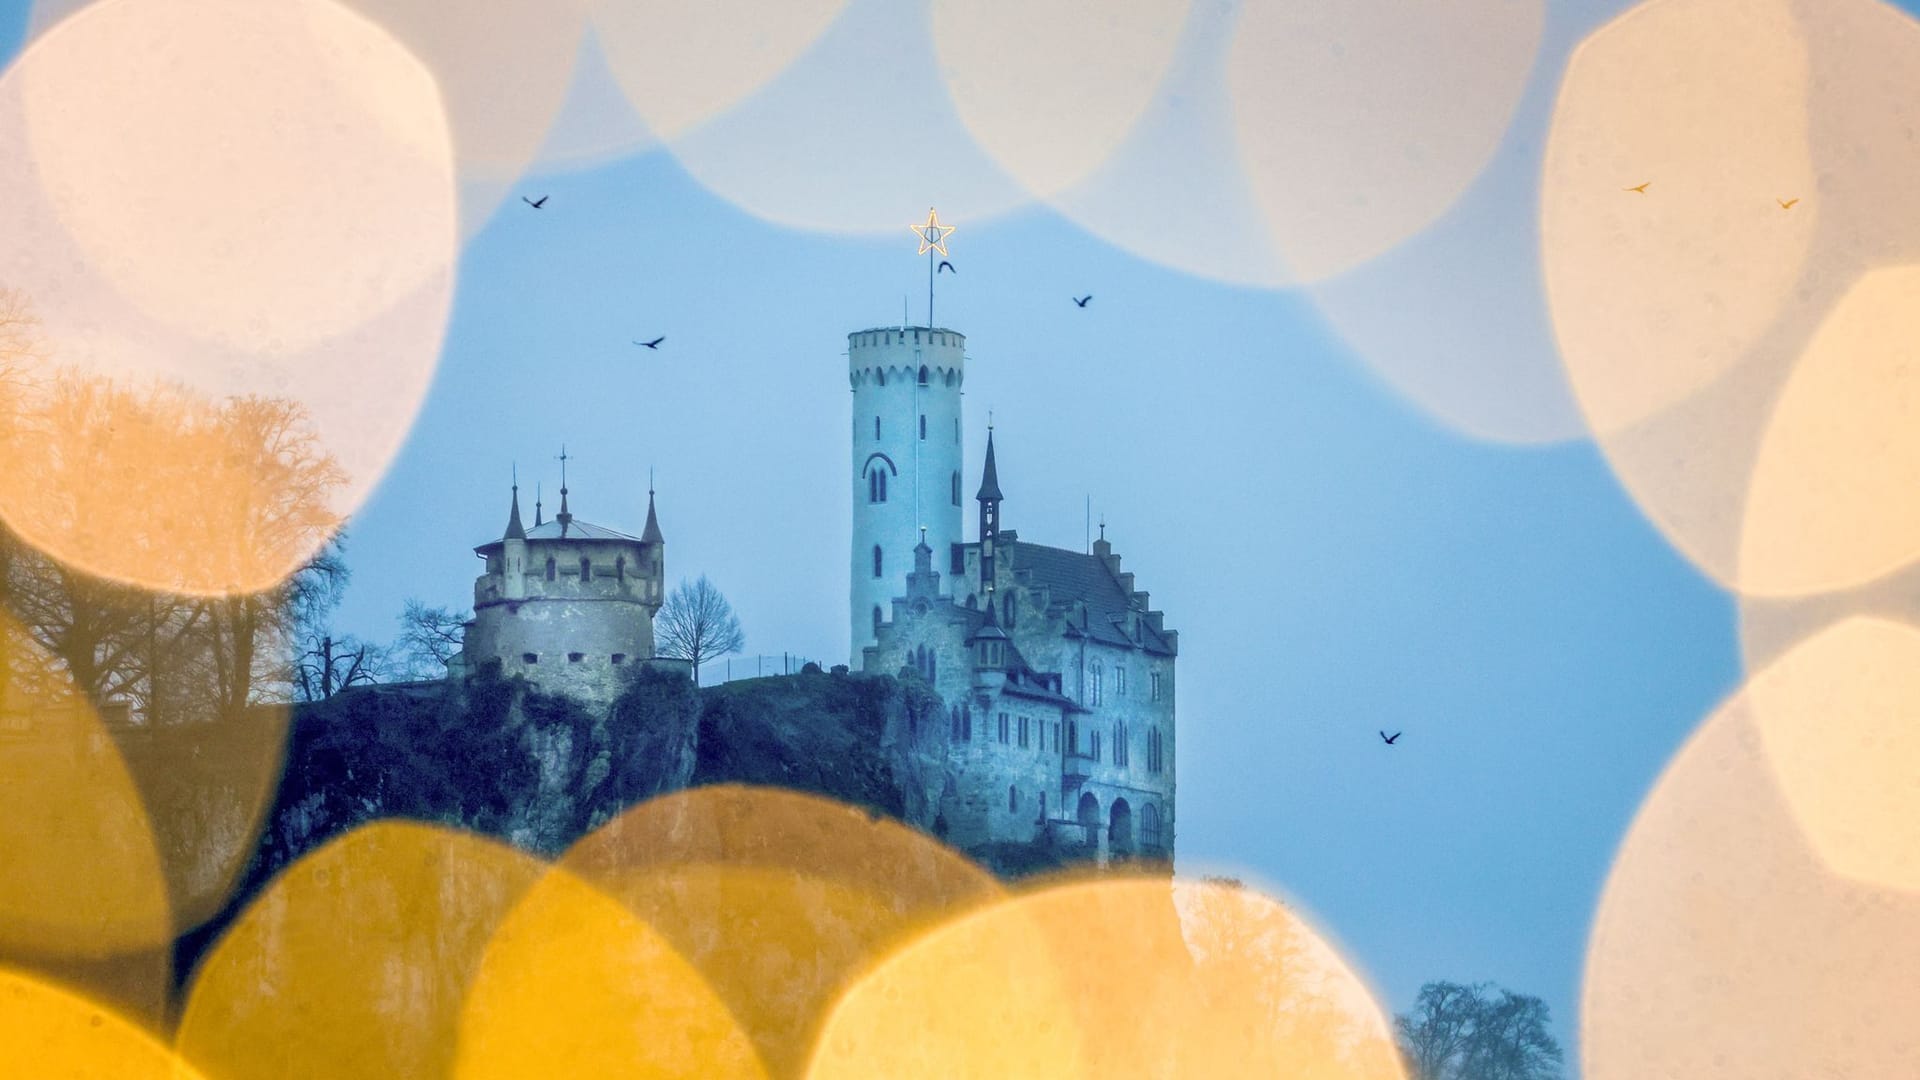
(1074, 576)
(651, 534)
(575, 530)
(989, 476)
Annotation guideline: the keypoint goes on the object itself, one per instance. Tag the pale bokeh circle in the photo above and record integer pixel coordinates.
(681, 64)
(1760, 919)
(1051, 88)
(1114, 977)
(1831, 503)
(235, 226)
(1360, 121)
(1709, 323)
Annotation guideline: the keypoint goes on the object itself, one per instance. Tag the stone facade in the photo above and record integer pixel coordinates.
(1059, 678)
(567, 604)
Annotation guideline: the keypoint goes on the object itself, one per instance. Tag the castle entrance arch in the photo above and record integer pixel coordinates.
(1089, 817)
(1120, 829)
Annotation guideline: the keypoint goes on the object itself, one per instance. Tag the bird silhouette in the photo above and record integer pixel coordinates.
(535, 203)
(1082, 300)
(1390, 739)
(654, 344)
(1641, 188)
(1786, 204)
(945, 265)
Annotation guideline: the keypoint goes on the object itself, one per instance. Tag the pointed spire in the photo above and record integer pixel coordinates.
(515, 530)
(564, 517)
(990, 476)
(651, 534)
(537, 520)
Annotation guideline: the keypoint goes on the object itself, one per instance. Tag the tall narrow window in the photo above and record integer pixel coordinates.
(876, 560)
(1056, 734)
(1154, 681)
(876, 427)
(883, 485)
(1013, 799)
(923, 427)
(923, 377)
(552, 568)
(1120, 680)
(620, 569)
(966, 723)
(876, 618)
(1073, 736)
(956, 487)
(586, 570)
(1094, 738)
(1003, 728)
(956, 429)
(1096, 677)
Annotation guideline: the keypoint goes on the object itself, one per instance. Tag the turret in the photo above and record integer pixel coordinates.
(513, 550)
(989, 500)
(906, 459)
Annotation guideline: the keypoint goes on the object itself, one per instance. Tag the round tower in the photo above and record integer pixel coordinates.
(906, 459)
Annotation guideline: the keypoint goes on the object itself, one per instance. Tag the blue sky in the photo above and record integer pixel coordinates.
(1335, 560)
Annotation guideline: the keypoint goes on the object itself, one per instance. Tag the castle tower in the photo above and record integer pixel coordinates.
(906, 459)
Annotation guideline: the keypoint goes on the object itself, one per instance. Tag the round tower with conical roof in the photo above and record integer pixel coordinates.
(906, 460)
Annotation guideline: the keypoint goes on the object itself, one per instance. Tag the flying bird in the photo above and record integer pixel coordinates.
(536, 204)
(1786, 204)
(1641, 188)
(1390, 739)
(1082, 300)
(654, 344)
(945, 265)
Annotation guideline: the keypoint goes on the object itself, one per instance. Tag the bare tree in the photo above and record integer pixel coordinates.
(429, 638)
(697, 624)
(333, 665)
(1477, 1032)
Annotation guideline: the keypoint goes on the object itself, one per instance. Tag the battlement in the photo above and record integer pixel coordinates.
(897, 355)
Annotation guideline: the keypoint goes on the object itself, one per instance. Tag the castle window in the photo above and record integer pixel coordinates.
(530, 658)
(575, 657)
(620, 569)
(1023, 733)
(923, 382)
(1004, 726)
(1095, 678)
(1120, 680)
(880, 377)
(956, 420)
(1043, 804)
(1013, 799)
(1056, 734)
(876, 618)
(1073, 736)
(1120, 744)
(877, 486)
(1093, 751)
(877, 560)
(586, 570)
(956, 497)
(619, 658)
(923, 427)
(551, 568)
(959, 556)
(1155, 760)
(876, 427)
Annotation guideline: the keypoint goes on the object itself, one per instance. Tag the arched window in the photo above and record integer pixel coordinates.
(1013, 799)
(876, 560)
(586, 570)
(880, 377)
(552, 568)
(923, 379)
(1150, 828)
(1096, 675)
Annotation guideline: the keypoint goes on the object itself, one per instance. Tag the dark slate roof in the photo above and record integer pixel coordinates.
(989, 476)
(1071, 575)
(576, 530)
(651, 534)
(515, 531)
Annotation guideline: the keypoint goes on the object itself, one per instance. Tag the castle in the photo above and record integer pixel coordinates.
(1057, 674)
(567, 604)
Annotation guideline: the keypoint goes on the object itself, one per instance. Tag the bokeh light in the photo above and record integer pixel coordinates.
(1759, 920)
(83, 879)
(574, 984)
(1051, 88)
(1360, 121)
(1714, 325)
(226, 218)
(1113, 977)
(357, 959)
(49, 1032)
(777, 898)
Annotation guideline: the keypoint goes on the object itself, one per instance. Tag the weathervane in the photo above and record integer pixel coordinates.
(933, 238)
